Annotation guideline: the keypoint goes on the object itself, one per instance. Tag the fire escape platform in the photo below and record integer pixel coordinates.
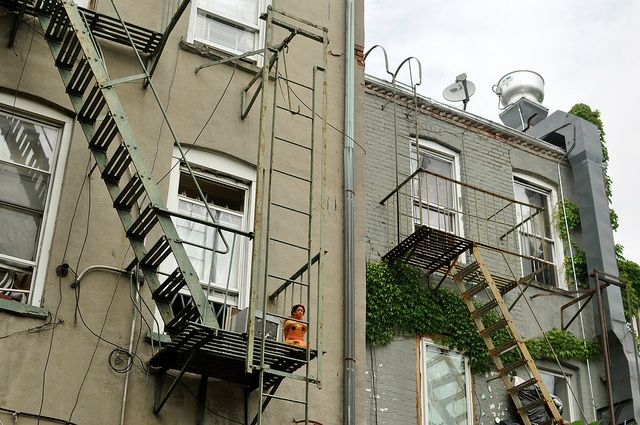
(101, 25)
(221, 354)
(433, 250)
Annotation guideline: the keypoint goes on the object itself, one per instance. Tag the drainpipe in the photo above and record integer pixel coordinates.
(349, 251)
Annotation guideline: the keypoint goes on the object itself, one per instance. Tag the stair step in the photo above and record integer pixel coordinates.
(143, 224)
(464, 273)
(183, 318)
(500, 324)
(129, 194)
(156, 255)
(170, 287)
(69, 51)
(536, 403)
(525, 384)
(106, 132)
(474, 290)
(503, 348)
(481, 311)
(92, 107)
(80, 79)
(117, 165)
(57, 25)
(512, 366)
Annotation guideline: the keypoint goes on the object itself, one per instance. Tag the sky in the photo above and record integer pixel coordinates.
(587, 51)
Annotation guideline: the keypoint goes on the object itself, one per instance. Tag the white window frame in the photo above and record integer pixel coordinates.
(569, 406)
(227, 169)
(258, 28)
(48, 116)
(425, 344)
(441, 152)
(558, 249)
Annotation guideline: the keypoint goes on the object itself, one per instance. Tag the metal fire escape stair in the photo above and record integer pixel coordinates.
(488, 330)
(122, 166)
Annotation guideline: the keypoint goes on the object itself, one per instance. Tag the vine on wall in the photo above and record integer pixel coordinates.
(400, 301)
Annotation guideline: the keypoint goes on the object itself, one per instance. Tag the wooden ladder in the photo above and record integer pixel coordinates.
(497, 305)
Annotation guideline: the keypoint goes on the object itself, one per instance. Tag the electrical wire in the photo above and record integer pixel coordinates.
(215, 108)
(48, 325)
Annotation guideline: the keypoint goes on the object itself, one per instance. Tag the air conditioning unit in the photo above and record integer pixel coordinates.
(273, 329)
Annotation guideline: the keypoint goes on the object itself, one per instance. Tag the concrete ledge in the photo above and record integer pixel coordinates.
(20, 309)
(214, 54)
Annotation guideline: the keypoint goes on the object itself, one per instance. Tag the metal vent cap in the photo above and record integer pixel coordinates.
(520, 84)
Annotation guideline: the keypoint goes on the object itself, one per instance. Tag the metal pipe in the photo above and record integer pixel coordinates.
(605, 347)
(348, 414)
(131, 334)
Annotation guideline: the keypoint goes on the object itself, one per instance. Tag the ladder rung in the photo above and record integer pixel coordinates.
(503, 348)
(117, 165)
(485, 308)
(144, 223)
(293, 176)
(526, 384)
(536, 403)
(277, 397)
(69, 51)
(156, 255)
(471, 268)
(80, 79)
(92, 106)
(188, 314)
(508, 368)
(286, 279)
(290, 209)
(102, 138)
(281, 139)
(474, 290)
(500, 324)
(170, 287)
(129, 194)
(304, 248)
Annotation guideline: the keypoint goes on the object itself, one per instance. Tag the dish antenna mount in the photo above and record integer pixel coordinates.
(460, 91)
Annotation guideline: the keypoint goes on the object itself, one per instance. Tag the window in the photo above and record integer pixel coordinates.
(30, 180)
(230, 25)
(435, 196)
(560, 387)
(445, 386)
(537, 237)
(228, 187)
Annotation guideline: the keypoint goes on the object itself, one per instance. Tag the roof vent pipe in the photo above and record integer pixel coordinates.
(521, 93)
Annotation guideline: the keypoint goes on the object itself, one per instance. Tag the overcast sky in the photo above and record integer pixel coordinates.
(587, 51)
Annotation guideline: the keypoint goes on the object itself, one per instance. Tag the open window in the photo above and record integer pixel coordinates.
(30, 181)
(220, 257)
(445, 386)
(562, 386)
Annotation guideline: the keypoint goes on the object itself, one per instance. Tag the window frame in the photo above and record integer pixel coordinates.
(257, 28)
(424, 345)
(570, 384)
(554, 237)
(34, 111)
(441, 152)
(228, 170)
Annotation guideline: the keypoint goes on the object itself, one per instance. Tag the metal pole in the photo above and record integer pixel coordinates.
(605, 348)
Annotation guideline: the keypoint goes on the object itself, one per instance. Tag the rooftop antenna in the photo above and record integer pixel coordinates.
(461, 90)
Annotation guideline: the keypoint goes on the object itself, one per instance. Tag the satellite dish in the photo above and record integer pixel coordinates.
(460, 91)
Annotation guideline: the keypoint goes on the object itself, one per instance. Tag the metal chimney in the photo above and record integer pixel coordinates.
(521, 93)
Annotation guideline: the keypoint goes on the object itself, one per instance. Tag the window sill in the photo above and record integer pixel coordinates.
(156, 337)
(215, 54)
(19, 309)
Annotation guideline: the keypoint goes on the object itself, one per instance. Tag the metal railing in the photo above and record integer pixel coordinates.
(491, 220)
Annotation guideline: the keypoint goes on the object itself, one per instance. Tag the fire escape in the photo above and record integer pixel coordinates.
(478, 238)
(200, 344)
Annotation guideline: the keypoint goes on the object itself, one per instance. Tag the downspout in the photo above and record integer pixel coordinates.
(349, 364)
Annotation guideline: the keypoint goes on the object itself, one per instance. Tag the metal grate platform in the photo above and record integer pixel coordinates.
(429, 249)
(221, 354)
(102, 26)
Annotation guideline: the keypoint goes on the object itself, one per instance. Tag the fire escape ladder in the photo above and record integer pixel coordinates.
(136, 197)
(493, 329)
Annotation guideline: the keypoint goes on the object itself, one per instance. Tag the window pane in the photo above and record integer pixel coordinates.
(23, 187)
(15, 283)
(446, 392)
(19, 233)
(26, 143)
(245, 11)
(210, 29)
